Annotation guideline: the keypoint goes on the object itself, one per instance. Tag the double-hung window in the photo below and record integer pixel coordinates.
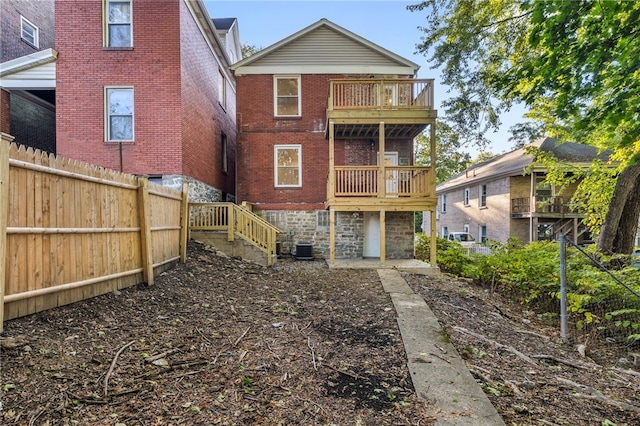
(119, 114)
(443, 203)
(222, 89)
(288, 166)
(118, 23)
(483, 196)
(467, 196)
(29, 32)
(286, 101)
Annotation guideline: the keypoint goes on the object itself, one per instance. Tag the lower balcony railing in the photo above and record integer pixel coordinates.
(399, 181)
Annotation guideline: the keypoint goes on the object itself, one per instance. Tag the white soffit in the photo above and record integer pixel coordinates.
(30, 72)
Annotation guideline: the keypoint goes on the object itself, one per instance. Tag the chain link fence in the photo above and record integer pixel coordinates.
(603, 319)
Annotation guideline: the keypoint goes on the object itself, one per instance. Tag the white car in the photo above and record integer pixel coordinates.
(463, 238)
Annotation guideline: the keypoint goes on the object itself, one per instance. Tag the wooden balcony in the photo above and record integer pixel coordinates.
(544, 207)
(357, 106)
(399, 188)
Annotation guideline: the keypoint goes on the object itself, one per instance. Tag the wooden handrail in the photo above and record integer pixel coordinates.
(237, 221)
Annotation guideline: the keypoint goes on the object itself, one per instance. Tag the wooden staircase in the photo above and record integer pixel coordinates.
(234, 230)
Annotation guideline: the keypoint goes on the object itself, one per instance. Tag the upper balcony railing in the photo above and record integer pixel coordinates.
(385, 94)
(543, 204)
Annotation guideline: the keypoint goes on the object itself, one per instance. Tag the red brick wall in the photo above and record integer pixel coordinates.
(39, 13)
(259, 131)
(204, 119)
(5, 116)
(152, 67)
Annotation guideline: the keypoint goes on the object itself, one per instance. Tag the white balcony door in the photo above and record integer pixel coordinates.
(391, 177)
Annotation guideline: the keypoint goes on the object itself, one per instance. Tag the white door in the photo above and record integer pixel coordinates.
(371, 235)
(391, 177)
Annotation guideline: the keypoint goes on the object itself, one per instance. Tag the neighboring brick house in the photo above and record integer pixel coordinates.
(26, 39)
(498, 199)
(144, 87)
(314, 111)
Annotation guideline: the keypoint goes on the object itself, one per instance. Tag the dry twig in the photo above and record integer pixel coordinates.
(596, 395)
(241, 337)
(113, 364)
(500, 345)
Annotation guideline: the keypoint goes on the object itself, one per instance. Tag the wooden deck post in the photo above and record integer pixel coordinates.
(432, 242)
(433, 246)
(146, 242)
(4, 216)
(184, 222)
(382, 181)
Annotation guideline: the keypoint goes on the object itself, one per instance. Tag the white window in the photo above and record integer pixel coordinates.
(482, 196)
(118, 28)
(29, 32)
(222, 89)
(482, 233)
(287, 96)
(288, 165)
(443, 203)
(119, 114)
(465, 228)
(323, 219)
(466, 196)
(445, 232)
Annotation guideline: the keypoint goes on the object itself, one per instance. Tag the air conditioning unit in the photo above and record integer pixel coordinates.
(304, 251)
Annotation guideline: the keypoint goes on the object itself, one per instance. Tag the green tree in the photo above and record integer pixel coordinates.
(450, 159)
(249, 49)
(574, 64)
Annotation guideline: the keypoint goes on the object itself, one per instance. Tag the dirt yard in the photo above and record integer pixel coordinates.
(222, 341)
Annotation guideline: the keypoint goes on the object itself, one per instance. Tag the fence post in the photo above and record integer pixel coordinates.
(4, 216)
(146, 242)
(563, 288)
(184, 228)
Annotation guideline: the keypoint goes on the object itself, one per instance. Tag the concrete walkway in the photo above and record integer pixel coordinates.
(437, 371)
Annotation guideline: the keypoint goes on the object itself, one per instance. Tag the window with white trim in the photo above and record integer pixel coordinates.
(118, 114)
(222, 89)
(482, 196)
(286, 102)
(118, 23)
(445, 232)
(482, 233)
(465, 228)
(466, 196)
(29, 32)
(322, 217)
(288, 166)
(443, 203)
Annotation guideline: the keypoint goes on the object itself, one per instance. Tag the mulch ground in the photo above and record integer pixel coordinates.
(222, 341)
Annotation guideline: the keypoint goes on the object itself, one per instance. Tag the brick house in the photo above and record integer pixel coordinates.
(499, 198)
(314, 111)
(27, 76)
(142, 87)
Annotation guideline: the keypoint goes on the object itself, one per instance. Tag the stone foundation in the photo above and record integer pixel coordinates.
(199, 192)
(313, 227)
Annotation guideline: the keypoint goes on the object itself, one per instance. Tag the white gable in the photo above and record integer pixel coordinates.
(325, 48)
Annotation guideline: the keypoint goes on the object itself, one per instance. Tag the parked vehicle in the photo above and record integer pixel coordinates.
(463, 238)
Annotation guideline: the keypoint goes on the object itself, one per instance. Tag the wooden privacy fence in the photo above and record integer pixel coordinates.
(71, 231)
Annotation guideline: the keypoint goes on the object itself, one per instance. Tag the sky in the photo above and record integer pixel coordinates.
(386, 23)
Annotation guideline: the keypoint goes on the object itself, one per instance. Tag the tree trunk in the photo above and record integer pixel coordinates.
(618, 232)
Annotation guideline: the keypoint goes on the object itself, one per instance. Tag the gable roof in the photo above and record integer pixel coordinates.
(325, 48)
(515, 162)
